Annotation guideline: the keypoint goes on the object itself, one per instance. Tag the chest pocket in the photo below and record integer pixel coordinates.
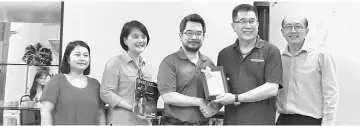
(256, 64)
(307, 69)
(308, 66)
(127, 79)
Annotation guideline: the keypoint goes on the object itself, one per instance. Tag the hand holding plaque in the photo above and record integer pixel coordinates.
(145, 99)
(215, 82)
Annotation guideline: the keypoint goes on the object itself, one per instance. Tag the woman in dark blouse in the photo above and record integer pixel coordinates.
(72, 98)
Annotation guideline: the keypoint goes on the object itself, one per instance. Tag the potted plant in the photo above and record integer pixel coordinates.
(38, 54)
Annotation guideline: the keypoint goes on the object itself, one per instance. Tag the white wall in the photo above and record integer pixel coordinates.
(342, 23)
(99, 24)
(30, 33)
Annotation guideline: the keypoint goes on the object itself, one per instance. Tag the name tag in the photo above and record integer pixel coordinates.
(257, 60)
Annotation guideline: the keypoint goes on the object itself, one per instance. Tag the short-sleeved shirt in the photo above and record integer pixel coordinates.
(73, 105)
(261, 65)
(178, 74)
(118, 83)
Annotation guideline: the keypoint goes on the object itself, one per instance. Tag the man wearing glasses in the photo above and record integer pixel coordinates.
(253, 70)
(180, 80)
(310, 94)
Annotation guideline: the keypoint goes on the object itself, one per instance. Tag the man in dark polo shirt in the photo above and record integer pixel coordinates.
(253, 70)
(180, 80)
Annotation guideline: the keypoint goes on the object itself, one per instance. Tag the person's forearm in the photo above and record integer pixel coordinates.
(46, 118)
(102, 116)
(331, 99)
(125, 105)
(330, 109)
(108, 95)
(262, 92)
(177, 99)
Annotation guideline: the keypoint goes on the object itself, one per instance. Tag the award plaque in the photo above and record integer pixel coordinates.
(216, 83)
(145, 98)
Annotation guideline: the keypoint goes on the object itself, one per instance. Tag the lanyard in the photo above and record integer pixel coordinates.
(138, 69)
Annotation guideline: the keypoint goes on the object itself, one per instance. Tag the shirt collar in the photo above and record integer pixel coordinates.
(181, 54)
(259, 43)
(306, 47)
(128, 59)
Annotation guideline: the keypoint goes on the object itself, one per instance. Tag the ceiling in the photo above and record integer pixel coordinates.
(30, 12)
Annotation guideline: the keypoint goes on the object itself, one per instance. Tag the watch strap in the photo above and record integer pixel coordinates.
(237, 102)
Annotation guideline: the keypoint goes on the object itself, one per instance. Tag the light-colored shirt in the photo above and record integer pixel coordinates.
(118, 83)
(310, 86)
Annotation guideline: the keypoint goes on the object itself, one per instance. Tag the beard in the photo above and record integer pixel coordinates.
(192, 49)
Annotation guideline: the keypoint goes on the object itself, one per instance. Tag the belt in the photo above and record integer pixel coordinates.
(175, 121)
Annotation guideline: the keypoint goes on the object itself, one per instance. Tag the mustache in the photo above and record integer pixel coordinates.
(194, 41)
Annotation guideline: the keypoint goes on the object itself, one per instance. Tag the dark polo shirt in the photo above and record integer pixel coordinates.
(263, 64)
(178, 74)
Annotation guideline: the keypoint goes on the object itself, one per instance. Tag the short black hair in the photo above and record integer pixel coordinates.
(65, 66)
(128, 26)
(306, 23)
(192, 18)
(243, 7)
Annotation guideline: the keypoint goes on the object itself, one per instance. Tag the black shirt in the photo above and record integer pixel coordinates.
(261, 65)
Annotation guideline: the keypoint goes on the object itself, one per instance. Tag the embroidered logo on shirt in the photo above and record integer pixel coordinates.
(257, 60)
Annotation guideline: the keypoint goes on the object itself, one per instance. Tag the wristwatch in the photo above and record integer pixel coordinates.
(237, 102)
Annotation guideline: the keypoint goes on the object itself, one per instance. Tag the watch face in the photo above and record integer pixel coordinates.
(236, 98)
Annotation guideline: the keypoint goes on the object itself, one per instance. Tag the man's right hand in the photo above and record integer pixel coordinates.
(206, 109)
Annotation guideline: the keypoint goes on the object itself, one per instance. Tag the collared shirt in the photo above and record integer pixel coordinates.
(261, 65)
(118, 83)
(310, 84)
(178, 74)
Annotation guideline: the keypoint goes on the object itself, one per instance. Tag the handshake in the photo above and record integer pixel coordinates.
(209, 109)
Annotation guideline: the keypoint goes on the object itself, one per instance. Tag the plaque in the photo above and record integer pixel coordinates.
(145, 98)
(216, 83)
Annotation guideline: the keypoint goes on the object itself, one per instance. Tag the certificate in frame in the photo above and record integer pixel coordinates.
(216, 83)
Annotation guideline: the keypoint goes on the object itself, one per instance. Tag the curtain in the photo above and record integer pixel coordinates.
(263, 15)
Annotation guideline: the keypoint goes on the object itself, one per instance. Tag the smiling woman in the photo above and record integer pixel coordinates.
(120, 74)
(72, 93)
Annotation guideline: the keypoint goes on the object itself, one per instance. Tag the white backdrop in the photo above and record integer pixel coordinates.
(99, 24)
(341, 23)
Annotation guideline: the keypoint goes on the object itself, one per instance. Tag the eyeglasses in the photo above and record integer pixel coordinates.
(191, 34)
(244, 22)
(296, 27)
